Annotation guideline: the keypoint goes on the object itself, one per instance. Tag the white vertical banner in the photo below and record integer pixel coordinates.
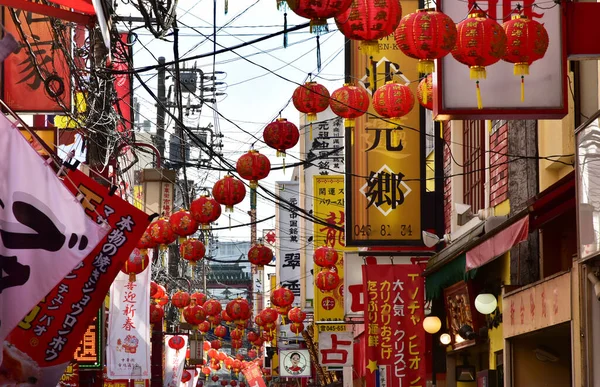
(174, 362)
(336, 349)
(194, 380)
(128, 340)
(288, 241)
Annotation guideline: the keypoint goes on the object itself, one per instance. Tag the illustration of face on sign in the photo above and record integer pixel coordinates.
(44, 231)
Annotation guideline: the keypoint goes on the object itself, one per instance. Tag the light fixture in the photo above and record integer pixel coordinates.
(486, 303)
(445, 339)
(545, 354)
(466, 332)
(465, 373)
(430, 239)
(432, 324)
(458, 339)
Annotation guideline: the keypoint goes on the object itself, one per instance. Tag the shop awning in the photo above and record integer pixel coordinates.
(498, 244)
(450, 274)
(80, 12)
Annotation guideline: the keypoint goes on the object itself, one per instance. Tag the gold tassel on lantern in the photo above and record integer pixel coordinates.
(369, 47)
(522, 88)
(426, 66)
(424, 91)
(310, 131)
(478, 91)
(318, 26)
(311, 117)
(477, 72)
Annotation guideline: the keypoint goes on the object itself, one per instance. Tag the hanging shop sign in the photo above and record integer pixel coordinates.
(254, 376)
(394, 298)
(459, 300)
(294, 363)
(336, 349)
(288, 242)
(174, 362)
(324, 146)
(123, 61)
(71, 376)
(88, 353)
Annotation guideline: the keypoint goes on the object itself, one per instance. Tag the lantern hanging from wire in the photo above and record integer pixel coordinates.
(161, 233)
(194, 315)
(228, 362)
(146, 242)
(204, 327)
(186, 376)
(283, 311)
(526, 41)
(229, 191)
(325, 256)
(226, 317)
(183, 224)
(206, 372)
(238, 310)
(236, 334)
(260, 320)
(369, 21)
(481, 42)
(216, 344)
(160, 293)
(198, 298)
(281, 135)
(260, 255)
(252, 336)
(176, 342)
(180, 300)
(349, 102)
(192, 250)
(394, 101)
(251, 353)
(135, 264)
(327, 280)
(236, 366)
(425, 92)
(215, 378)
(212, 353)
(426, 35)
(269, 315)
(296, 315)
(212, 307)
(214, 320)
(164, 300)
(253, 166)
(157, 313)
(205, 210)
(297, 328)
(311, 98)
(282, 297)
(220, 331)
(318, 11)
(154, 289)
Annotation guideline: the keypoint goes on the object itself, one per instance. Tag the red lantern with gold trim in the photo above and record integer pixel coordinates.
(282, 297)
(393, 101)
(192, 250)
(526, 41)
(135, 264)
(311, 98)
(253, 166)
(146, 242)
(283, 311)
(350, 102)
(426, 35)
(269, 315)
(226, 317)
(212, 353)
(325, 256)
(238, 310)
(205, 210)
(157, 313)
(251, 353)
(216, 344)
(260, 255)
(215, 378)
(212, 307)
(183, 224)
(297, 328)
(220, 331)
(281, 135)
(186, 376)
(198, 298)
(160, 292)
(161, 233)
(214, 320)
(327, 280)
(180, 300)
(204, 327)
(252, 336)
(425, 92)
(236, 344)
(318, 11)
(260, 320)
(369, 21)
(153, 290)
(194, 315)
(206, 372)
(236, 334)
(164, 300)
(229, 191)
(228, 362)
(296, 315)
(176, 342)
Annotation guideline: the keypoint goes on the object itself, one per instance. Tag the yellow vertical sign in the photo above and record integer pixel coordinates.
(138, 197)
(328, 206)
(384, 201)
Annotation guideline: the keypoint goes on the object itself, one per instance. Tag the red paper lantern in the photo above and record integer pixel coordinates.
(236, 344)
(252, 336)
(283, 310)
(327, 280)
(161, 233)
(253, 166)
(214, 320)
(393, 101)
(226, 317)
(135, 264)
(146, 242)
(296, 315)
(251, 353)
(215, 378)
(206, 371)
(325, 256)
(270, 327)
(192, 250)
(224, 383)
(426, 35)
(281, 135)
(186, 376)
(160, 292)
(233, 383)
(220, 331)
(318, 11)
(425, 92)
(526, 41)
(269, 315)
(267, 336)
(297, 328)
(242, 384)
(258, 342)
(236, 334)
(180, 299)
(212, 307)
(198, 298)
(157, 313)
(212, 353)
(237, 365)
(282, 297)
(311, 98)
(176, 342)
(350, 102)
(259, 320)
(205, 210)
(238, 310)
(216, 344)
(164, 300)
(260, 255)
(206, 346)
(183, 224)
(229, 191)
(153, 289)
(369, 21)
(221, 356)
(204, 327)
(194, 314)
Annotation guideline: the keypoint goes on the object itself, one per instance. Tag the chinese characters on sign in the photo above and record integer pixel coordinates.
(254, 376)
(174, 362)
(394, 300)
(324, 151)
(336, 349)
(166, 206)
(288, 243)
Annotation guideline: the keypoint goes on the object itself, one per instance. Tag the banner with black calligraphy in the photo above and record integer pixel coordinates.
(395, 351)
(128, 341)
(53, 329)
(288, 240)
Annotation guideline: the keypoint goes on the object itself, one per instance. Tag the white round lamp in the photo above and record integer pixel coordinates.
(432, 324)
(445, 339)
(486, 303)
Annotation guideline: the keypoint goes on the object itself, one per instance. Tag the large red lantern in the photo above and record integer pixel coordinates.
(349, 102)
(161, 233)
(369, 21)
(481, 42)
(186, 376)
(297, 328)
(526, 41)
(311, 98)
(269, 315)
(198, 298)
(426, 35)
(205, 210)
(327, 280)
(282, 297)
(183, 224)
(281, 135)
(393, 101)
(238, 310)
(146, 242)
(325, 256)
(194, 315)
(192, 250)
(157, 313)
(220, 331)
(216, 344)
(135, 264)
(212, 307)
(180, 300)
(229, 191)
(296, 315)
(253, 166)
(425, 92)
(260, 255)
(176, 342)
(318, 11)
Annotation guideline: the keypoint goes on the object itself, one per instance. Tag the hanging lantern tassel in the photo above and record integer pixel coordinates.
(285, 34)
(319, 54)
(318, 26)
(522, 88)
(226, 6)
(310, 131)
(424, 92)
(396, 137)
(478, 92)
(369, 47)
(426, 66)
(283, 166)
(230, 221)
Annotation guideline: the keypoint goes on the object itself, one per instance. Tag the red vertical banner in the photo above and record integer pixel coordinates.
(122, 61)
(24, 89)
(254, 375)
(395, 347)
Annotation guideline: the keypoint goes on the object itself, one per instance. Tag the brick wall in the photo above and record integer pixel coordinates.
(447, 179)
(499, 165)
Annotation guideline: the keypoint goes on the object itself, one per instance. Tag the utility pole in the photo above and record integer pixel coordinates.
(160, 109)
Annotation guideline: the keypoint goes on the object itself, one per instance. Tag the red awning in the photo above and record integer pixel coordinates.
(498, 244)
(80, 12)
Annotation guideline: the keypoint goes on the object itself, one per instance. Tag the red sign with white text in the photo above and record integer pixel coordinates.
(52, 331)
(124, 106)
(395, 347)
(254, 376)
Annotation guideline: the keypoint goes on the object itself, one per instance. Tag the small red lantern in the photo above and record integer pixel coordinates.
(297, 328)
(220, 331)
(282, 297)
(236, 334)
(526, 41)
(214, 320)
(251, 354)
(296, 315)
(426, 35)
(212, 353)
(183, 224)
(425, 92)
(481, 42)
(393, 101)
(180, 300)
(221, 356)
(135, 264)
(212, 307)
(258, 342)
(164, 300)
(228, 362)
(206, 371)
(157, 313)
(204, 327)
(161, 233)
(350, 102)
(281, 135)
(225, 316)
(206, 346)
(216, 344)
(238, 310)
(146, 242)
(153, 289)
(325, 256)
(194, 315)
(327, 280)
(368, 22)
(176, 342)
(198, 298)
(224, 383)
(253, 166)
(259, 320)
(236, 344)
(186, 376)
(237, 365)
(260, 255)
(205, 210)
(311, 98)
(160, 293)
(242, 384)
(252, 336)
(318, 11)
(233, 383)
(269, 315)
(229, 191)
(267, 336)
(215, 378)
(192, 250)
